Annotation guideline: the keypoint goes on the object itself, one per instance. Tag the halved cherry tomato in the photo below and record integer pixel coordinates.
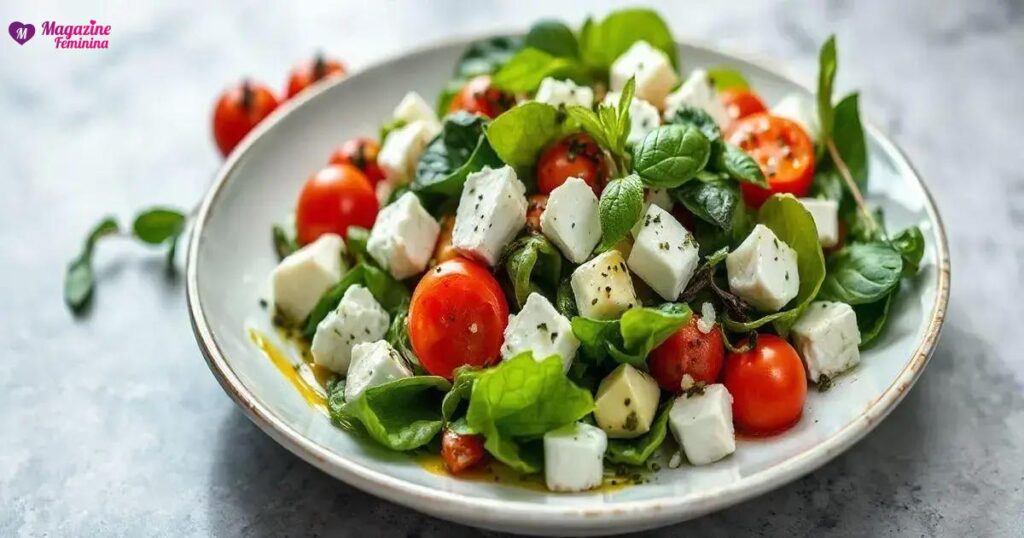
(457, 316)
(741, 102)
(478, 96)
(534, 209)
(688, 351)
(781, 147)
(307, 73)
(238, 110)
(461, 452)
(333, 199)
(576, 155)
(443, 250)
(768, 386)
(361, 153)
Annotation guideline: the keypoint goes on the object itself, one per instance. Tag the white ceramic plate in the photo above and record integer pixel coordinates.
(230, 256)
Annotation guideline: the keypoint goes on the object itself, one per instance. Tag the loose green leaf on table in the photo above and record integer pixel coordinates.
(155, 226)
(620, 207)
(78, 277)
(671, 155)
(402, 414)
(533, 264)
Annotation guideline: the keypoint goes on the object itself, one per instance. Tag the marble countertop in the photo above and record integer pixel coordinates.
(112, 425)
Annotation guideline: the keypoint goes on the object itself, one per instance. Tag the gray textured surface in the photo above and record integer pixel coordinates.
(112, 425)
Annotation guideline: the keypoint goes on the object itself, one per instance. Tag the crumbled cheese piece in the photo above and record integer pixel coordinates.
(707, 318)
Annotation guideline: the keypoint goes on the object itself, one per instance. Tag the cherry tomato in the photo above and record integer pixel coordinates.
(461, 452)
(457, 316)
(443, 250)
(782, 148)
(308, 73)
(688, 351)
(361, 153)
(741, 102)
(238, 110)
(576, 155)
(333, 199)
(768, 386)
(535, 208)
(479, 97)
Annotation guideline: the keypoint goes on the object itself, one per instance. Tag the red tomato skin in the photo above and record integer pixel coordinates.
(478, 96)
(740, 103)
(461, 452)
(768, 386)
(688, 351)
(535, 208)
(576, 155)
(361, 153)
(238, 110)
(336, 197)
(783, 150)
(457, 316)
(308, 73)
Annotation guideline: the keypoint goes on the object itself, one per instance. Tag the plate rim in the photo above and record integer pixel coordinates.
(496, 513)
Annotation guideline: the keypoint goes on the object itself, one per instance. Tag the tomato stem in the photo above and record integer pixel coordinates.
(319, 66)
(844, 173)
(248, 96)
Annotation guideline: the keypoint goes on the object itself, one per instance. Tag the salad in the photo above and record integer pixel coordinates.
(589, 254)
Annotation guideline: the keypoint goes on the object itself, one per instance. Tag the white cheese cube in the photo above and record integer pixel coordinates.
(574, 457)
(358, 318)
(300, 279)
(626, 403)
(826, 219)
(603, 288)
(655, 76)
(540, 329)
(571, 220)
(827, 337)
(373, 364)
(402, 149)
(643, 116)
(801, 110)
(664, 253)
(697, 92)
(414, 108)
(564, 92)
(403, 237)
(702, 424)
(763, 271)
(491, 212)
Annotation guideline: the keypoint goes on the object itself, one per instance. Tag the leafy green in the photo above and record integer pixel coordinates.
(525, 71)
(862, 273)
(910, 244)
(390, 293)
(458, 151)
(848, 137)
(482, 57)
(638, 450)
(696, 117)
(620, 207)
(520, 134)
(726, 78)
(601, 43)
(671, 155)
(393, 125)
(533, 264)
(871, 318)
(398, 337)
(714, 201)
(609, 126)
(284, 245)
(154, 226)
(402, 414)
(565, 300)
(78, 277)
(742, 167)
(355, 244)
(631, 338)
(462, 387)
(826, 78)
(554, 38)
(521, 399)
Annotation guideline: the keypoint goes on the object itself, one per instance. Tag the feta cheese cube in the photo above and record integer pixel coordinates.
(373, 364)
(571, 220)
(626, 402)
(574, 457)
(564, 92)
(300, 279)
(827, 337)
(603, 288)
(664, 253)
(702, 424)
(643, 116)
(697, 92)
(414, 108)
(540, 329)
(491, 212)
(762, 270)
(801, 110)
(358, 318)
(402, 149)
(403, 237)
(826, 219)
(655, 76)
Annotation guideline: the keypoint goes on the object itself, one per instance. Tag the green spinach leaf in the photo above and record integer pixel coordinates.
(525, 71)
(738, 165)
(871, 318)
(696, 117)
(671, 155)
(601, 43)
(620, 207)
(520, 134)
(462, 387)
(826, 78)
(565, 300)
(482, 57)
(631, 338)
(910, 244)
(554, 38)
(533, 264)
(714, 201)
(862, 273)
(402, 414)
(458, 151)
(390, 293)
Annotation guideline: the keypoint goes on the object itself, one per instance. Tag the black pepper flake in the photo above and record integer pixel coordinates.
(263, 304)
(594, 302)
(554, 335)
(542, 327)
(787, 275)
(657, 219)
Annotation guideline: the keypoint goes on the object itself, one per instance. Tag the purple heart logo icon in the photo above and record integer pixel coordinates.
(21, 32)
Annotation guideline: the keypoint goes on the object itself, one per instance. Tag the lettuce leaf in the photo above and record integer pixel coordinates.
(402, 414)
(631, 338)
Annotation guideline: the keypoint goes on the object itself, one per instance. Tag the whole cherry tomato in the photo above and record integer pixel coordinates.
(457, 316)
(238, 110)
(576, 155)
(534, 209)
(768, 386)
(478, 96)
(782, 148)
(741, 102)
(361, 153)
(461, 451)
(688, 351)
(333, 199)
(307, 73)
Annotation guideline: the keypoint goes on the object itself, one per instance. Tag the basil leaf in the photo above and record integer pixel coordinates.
(910, 244)
(390, 293)
(520, 134)
(78, 277)
(601, 43)
(848, 137)
(459, 150)
(521, 399)
(402, 414)
(714, 202)
(631, 338)
(871, 318)
(525, 71)
(726, 78)
(554, 38)
(826, 77)
(533, 264)
(155, 226)
(671, 155)
(742, 167)
(565, 300)
(862, 273)
(462, 387)
(609, 126)
(638, 450)
(620, 207)
(696, 117)
(486, 56)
